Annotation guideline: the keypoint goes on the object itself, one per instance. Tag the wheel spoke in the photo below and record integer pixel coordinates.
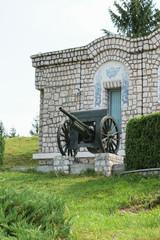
(114, 143)
(104, 134)
(113, 134)
(62, 135)
(65, 127)
(65, 150)
(64, 145)
(64, 130)
(113, 128)
(112, 147)
(116, 138)
(105, 129)
(63, 140)
(68, 152)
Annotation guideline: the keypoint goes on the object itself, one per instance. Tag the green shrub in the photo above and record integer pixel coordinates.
(2, 146)
(142, 146)
(29, 215)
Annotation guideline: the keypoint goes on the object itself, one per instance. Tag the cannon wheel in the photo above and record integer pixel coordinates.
(63, 139)
(109, 135)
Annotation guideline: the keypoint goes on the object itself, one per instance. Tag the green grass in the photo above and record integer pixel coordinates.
(120, 207)
(19, 151)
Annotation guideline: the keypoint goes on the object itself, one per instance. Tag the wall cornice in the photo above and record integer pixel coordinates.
(103, 44)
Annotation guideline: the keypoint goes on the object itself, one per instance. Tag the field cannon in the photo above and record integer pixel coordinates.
(92, 129)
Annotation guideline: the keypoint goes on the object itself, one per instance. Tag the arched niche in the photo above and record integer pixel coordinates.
(111, 75)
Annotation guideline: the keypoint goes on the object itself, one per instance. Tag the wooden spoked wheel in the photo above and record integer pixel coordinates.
(109, 135)
(63, 139)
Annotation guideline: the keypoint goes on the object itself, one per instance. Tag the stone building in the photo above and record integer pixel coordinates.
(113, 72)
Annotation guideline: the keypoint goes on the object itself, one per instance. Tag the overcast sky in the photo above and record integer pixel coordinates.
(28, 27)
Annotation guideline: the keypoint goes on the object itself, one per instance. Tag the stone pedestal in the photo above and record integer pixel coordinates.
(63, 164)
(104, 163)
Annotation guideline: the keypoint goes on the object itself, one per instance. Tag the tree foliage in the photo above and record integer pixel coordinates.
(135, 18)
(35, 127)
(13, 133)
(2, 142)
(2, 130)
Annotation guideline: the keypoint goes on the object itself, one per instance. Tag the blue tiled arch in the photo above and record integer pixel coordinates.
(111, 71)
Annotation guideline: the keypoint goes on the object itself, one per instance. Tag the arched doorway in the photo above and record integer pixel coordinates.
(111, 88)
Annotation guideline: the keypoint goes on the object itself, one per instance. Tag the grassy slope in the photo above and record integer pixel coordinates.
(126, 207)
(19, 151)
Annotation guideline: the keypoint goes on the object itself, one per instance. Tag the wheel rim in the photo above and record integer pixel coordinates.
(63, 139)
(109, 135)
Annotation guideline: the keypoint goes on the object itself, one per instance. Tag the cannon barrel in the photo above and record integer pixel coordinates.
(72, 117)
(82, 128)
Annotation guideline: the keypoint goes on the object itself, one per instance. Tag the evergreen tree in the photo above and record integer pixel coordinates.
(2, 142)
(136, 18)
(13, 133)
(35, 127)
(2, 130)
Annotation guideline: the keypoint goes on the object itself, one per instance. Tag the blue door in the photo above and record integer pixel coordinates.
(115, 106)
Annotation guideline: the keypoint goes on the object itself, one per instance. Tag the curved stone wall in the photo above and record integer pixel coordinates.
(60, 74)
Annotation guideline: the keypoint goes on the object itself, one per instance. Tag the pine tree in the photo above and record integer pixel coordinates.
(35, 127)
(2, 130)
(2, 142)
(136, 18)
(13, 133)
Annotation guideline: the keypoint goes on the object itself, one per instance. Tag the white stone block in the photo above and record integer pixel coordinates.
(45, 155)
(66, 162)
(102, 163)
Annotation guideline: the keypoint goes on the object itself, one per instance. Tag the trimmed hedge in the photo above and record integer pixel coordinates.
(142, 146)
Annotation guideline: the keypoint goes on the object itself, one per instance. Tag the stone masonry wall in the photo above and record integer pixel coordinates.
(60, 74)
